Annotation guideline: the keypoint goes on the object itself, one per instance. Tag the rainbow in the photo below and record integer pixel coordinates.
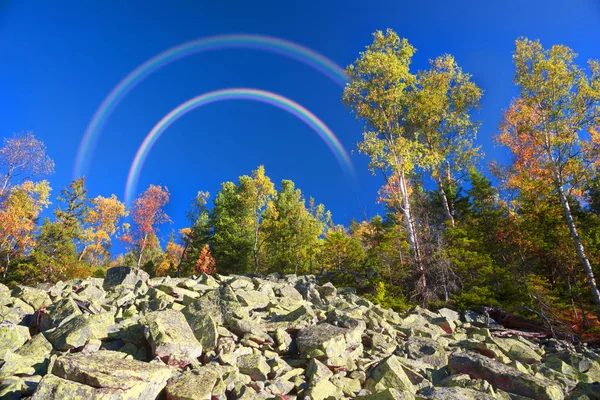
(271, 44)
(234, 94)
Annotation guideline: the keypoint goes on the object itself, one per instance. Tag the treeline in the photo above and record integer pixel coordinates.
(448, 236)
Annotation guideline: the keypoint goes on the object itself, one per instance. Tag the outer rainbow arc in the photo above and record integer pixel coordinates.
(235, 94)
(276, 45)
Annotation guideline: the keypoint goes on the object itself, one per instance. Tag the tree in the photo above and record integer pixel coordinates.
(341, 252)
(231, 241)
(440, 113)
(147, 215)
(102, 223)
(205, 263)
(195, 238)
(236, 221)
(256, 193)
(19, 211)
(53, 258)
(292, 232)
(72, 217)
(379, 93)
(22, 158)
(543, 128)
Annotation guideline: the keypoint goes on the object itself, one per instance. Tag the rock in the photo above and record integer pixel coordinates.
(36, 298)
(449, 314)
(194, 384)
(420, 326)
(289, 292)
(204, 328)
(79, 330)
(124, 275)
(59, 313)
(317, 371)
(103, 375)
(348, 386)
(453, 393)
(323, 390)
(283, 340)
(326, 340)
(389, 374)
(249, 337)
(5, 297)
(426, 350)
(221, 304)
(37, 346)
(171, 338)
(92, 293)
(254, 365)
(388, 394)
(12, 336)
(586, 391)
(252, 299)
(504, 377)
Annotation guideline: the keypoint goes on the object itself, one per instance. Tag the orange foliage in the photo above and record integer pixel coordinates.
(205, 263)
(147, 215)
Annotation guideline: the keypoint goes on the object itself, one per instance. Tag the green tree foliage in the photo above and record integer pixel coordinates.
(379, 94)
(440, 114)
(232, 240)
(292, 233)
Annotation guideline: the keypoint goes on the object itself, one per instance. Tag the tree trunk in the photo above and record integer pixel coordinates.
(585, 262)
(445, 203)
(412, 234)
(82, 253)
(187, 243)
(255, 246)
(7, 264)
(141, 251)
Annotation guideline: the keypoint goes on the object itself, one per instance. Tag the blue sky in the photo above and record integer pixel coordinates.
(58, 60)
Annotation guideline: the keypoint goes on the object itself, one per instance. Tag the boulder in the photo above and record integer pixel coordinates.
(59, 313)
(36, 298)
(77, 331)
(193, 384)
(12, 336)
(326, 340)
(103, 375)
(426, 350)
(124, 275)
(453, 393)
(387, 394)
(504, 377)
(171, 338)
(389, 374)
(253, 365)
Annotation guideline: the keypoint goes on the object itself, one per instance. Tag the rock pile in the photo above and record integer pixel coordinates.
(273, 337)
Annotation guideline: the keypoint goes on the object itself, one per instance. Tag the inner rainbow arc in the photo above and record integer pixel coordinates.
(235, 94)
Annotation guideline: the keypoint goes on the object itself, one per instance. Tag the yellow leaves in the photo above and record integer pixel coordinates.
(18, 214)
(173, 252)
(102, 220)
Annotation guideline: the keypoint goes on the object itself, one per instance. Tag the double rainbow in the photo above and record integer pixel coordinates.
(274, 45)
(234, 94)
